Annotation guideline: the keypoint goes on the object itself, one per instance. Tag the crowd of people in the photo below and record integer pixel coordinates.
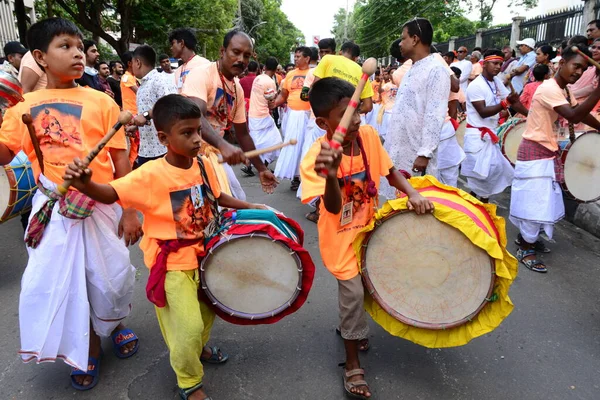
(405, 125)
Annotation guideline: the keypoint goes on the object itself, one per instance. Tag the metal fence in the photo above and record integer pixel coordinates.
(496, 38)
(442, 47)
(468, 42)
(555, 27)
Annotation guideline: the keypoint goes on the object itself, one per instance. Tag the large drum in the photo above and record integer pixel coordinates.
(256, 270)
(438, 280)
(582, 167)
(510, 134)
(17, 187)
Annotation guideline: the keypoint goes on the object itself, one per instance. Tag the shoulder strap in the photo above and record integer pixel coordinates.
(213, 203)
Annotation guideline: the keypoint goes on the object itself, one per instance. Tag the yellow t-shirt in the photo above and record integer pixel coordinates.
(127, 94)
(335, 240)
(174, 207)
(68, 123)
(343, 68)
(293, 83)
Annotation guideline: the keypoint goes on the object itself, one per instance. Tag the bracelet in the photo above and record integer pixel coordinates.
(504, 104)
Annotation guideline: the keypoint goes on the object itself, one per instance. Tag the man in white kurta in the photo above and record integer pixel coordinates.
(465, 66)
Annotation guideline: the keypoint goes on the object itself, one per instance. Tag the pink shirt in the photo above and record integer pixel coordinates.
(259, 106)
(584, 86)
(528, 92)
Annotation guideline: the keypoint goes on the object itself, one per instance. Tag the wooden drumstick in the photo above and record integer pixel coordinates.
(258, 152)
(588, 58)
(124, 118)
(28, 121)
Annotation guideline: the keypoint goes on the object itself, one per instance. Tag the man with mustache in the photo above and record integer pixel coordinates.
(221, 99)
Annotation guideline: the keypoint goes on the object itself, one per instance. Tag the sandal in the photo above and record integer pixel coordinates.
(120, 339)
(185, 393)
(312, 216)
(348, 386)
(93, 371)
(363, 345)
(295, 184)
(214, 356)
(539, 246)
(247, 170)
(534, 265)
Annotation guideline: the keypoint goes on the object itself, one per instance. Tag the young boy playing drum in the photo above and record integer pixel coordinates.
(177, 196)
(78, 284)
(347, 181)
(536, 200)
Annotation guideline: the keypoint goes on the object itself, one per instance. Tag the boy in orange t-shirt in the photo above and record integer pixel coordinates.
(348, 191)
(78, 284)
(177, 195)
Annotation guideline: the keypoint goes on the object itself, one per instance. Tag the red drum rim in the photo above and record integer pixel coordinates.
(563, 158)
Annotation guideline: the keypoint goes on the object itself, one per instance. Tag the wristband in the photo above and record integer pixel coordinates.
(504, 104)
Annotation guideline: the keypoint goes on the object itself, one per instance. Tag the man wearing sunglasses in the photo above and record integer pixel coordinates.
(465, 66)
(527, 60)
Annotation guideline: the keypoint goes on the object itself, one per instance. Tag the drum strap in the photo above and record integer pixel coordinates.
(213, 226)
(571, 126)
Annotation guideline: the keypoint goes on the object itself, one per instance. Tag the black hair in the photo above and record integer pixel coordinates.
(377, 72)
(421, 28)
(252, 66)
(595, 22)
(185, 35)
(314, 54)
(477, 49)
(493, 52)
(304, 50)
(231, 34)
(146, 54)
(271, 64)
(289, 65)
(172, 108)
(42, 32)
(457, 71)
(577, 40)
(113, 64)
(395, 49)
(352, 48)
(540, 71)
(568, 53)
(327, 43)
(325, 94)
(163, 57)
(104, 62)
(433, 49)
(547, 49)
(450, 55)
(126, 58)
(87, 43)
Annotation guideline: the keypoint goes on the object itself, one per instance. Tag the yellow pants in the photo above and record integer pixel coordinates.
(185, 323)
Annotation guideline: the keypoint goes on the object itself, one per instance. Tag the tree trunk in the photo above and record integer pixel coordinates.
(50, 8)
(21, 21)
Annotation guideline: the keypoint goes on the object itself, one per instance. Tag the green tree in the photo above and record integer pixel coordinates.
(340, 33)
(486, 7)
(457, 25)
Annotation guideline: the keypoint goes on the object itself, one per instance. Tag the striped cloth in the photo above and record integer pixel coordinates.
(530, 151)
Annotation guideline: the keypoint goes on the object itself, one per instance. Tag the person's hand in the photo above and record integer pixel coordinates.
(140, 120)
(268, 181)
(130, 227)
(419, 204)
(504, 114)
(328, 161)
(131, 131)
(513, 98)
(231, 154)
(110, 93)
(258, 207)
(77, 174)
(420, 164)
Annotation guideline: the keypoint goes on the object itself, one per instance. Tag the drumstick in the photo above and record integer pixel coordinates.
(258, 152)
(28, 121)
(124, 118)
(588, 58)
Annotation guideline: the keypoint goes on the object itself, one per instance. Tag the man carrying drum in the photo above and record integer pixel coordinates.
(536, 201)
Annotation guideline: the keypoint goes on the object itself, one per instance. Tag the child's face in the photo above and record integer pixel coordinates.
(184, 138)
(570, 71)
(332, 121)
(64, 58)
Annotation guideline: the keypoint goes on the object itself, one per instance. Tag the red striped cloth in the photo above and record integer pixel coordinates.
(530, 151)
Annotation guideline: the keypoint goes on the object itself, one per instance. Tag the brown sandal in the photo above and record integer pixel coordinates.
(348, 386)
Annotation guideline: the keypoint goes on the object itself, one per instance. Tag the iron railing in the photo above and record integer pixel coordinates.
(555, 27)
(496, 38)
(468, 42)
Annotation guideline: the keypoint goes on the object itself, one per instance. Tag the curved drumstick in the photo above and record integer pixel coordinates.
(258, 152)
(28, 121)
(588, 58)
(124, 118)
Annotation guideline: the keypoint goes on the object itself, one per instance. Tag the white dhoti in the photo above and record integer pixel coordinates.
(488, 172)
(313, 132)
(264, 133)
(234, 184)
(288, 164)
(382, 127)
(536, 201)
(79, 271)
(371, 116)
(450, 155)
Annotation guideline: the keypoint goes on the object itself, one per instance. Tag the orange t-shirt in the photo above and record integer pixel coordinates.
(476, 71)
(259, 106)
(29, 62)
(204, 82)
(69, 123)
(335, 240)
(127, 94)
(542, 120)
(174, 206)
(388, 96)
(376, 96)
(293, 83)
(183, 70)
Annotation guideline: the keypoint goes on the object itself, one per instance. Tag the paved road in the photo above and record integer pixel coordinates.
(548, 348)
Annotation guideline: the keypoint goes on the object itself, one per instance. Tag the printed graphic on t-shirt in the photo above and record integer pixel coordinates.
(354, 191)
(223, 102)
(58, 127)
(189, 213)
(297, 83)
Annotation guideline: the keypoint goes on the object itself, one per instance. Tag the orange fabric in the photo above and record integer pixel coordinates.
(541, 126)
(293, 83)
(259, 106)
(528, 92)
(168, 198)
(388, 96)
(335, 241)
(376, 96)
(129, 97)
(69, 123)
(398, 74)
(183, 70)
(29, 62)
(476, 71)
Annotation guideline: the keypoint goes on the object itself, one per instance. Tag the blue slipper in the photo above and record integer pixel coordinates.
(93, 371)
(214, 357)
(121, 338)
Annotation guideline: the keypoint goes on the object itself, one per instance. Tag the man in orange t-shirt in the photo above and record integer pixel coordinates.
(183, 46)
(129, 87)
(296, 118)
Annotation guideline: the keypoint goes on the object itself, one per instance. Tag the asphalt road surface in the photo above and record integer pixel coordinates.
(548, 348)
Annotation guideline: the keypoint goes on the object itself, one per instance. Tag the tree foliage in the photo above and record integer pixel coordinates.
(457, 25)
(485, 8)
(339, 30)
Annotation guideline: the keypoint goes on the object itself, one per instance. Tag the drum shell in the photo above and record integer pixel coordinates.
(510, 126)
(563, 157)
(21, 187)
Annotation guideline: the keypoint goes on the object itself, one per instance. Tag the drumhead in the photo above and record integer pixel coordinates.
(460, 133)
(426, 273)
(251, 277)
(512, 139)
(5, 192)
(582, 167)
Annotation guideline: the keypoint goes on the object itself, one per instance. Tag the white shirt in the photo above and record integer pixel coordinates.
(153, 86)
(492, 93)
(418, 116)
(465, 67)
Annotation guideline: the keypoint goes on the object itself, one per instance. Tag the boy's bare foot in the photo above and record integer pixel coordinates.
(198, 395)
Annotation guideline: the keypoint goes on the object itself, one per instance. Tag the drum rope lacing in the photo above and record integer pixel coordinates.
(28, 193)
